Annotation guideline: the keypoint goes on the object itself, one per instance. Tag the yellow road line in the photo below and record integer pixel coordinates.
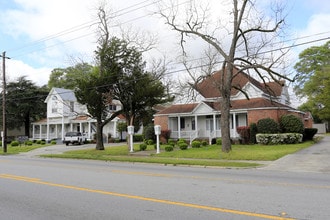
(168, 202)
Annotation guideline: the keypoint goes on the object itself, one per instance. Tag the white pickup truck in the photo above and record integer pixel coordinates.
(74, 137)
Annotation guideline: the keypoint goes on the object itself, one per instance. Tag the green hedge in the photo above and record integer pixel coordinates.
(268, 126)
(284, 138)
(309, 133)
(291, 124)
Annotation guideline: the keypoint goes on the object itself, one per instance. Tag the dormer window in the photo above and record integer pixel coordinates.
(112, 107)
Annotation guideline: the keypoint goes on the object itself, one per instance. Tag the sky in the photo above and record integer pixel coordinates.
(40, 35)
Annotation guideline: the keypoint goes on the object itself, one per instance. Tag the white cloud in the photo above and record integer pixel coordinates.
(16, 68)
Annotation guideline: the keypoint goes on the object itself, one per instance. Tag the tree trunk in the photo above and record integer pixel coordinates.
(225, 106)
(27, 126)
(99, 135)
(225, 125)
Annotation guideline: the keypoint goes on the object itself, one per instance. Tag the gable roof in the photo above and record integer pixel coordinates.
(66, 94)
(208, 88)
(243, 104)
(179, 108)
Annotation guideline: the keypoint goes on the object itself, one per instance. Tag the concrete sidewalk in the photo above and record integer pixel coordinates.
(313, 159)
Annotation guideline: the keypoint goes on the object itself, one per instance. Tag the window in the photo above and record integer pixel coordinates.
(54, 104)
(193, 124)
(72, 106)
(182, 123)
(112, 107)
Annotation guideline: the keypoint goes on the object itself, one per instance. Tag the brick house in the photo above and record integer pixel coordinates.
(202, 119)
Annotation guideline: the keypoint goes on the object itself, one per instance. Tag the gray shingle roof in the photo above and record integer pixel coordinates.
(66, 94)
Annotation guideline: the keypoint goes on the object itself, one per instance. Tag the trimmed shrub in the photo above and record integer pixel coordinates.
(183, 146)
(14, 143)
(204, 143)
(171, 142)
(168, 148)
(42, 142)
(29, 143)
(196, 144)
(38, 142)
(143, 147)
(253, 133)
(268, 126)
(291, 124)
(150, 142)
(309, 134)
(218, 141)
(244, 132)
(284, 138)
(181, 141)
(52, 142)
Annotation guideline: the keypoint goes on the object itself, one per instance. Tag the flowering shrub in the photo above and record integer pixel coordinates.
(244, 133)
(284, 138)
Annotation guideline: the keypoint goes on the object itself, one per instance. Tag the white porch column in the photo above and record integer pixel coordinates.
(214, 123)
(62, 128)
(71, 126)
(40, 132)
(80, 127)
(33, 130)
(47, 136)
(196, 124)
(234, 124)
(89, 130)
(56, 131)
(115, 129)
(179, 127)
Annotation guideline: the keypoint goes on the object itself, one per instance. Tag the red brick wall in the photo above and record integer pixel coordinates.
(255, 115)
(162, 121)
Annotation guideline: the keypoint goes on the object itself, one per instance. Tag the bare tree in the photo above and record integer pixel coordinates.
(242, 35)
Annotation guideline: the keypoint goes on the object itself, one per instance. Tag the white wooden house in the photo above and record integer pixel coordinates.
(65, 114)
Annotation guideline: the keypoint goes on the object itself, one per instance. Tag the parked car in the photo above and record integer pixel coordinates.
(74, 137)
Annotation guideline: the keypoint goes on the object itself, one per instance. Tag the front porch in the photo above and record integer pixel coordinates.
(55, 128)
(203, 126)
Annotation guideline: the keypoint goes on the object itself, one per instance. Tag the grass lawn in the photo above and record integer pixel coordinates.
(20, 149)
(204, 156)
(239, 152)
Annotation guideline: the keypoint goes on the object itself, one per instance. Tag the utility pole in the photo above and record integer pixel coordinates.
(4, 124)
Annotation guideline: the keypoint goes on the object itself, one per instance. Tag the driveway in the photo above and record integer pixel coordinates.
(313, 159)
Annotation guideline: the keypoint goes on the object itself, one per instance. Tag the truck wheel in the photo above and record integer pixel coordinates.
(66, 143)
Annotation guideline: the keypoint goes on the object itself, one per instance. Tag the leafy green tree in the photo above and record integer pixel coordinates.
(25, 103)
(137, 89)
(67, 77)
(121, 127)
(93, 92)
(120, 75)
(313, 82)
(310, 60)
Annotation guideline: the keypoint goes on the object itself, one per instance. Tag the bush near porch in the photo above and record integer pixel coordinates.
(289, 130)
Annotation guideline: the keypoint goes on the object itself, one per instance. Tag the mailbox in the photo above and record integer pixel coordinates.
(157, 130)
(130, 130)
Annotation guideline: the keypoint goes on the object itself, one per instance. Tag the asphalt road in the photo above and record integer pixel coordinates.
(40, 188)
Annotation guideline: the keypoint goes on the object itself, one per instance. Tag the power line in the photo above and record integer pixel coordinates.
(85, 25)
(191, 68)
